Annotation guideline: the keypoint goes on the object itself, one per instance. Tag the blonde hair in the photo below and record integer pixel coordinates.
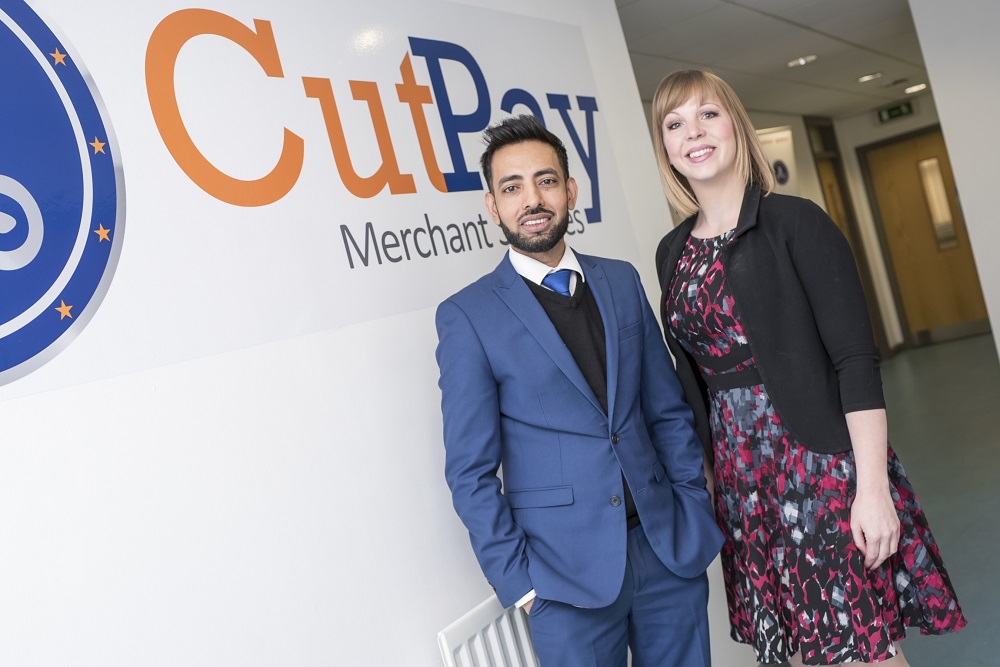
(751, 164)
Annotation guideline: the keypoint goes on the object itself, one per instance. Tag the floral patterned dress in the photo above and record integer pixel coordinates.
(794, 578)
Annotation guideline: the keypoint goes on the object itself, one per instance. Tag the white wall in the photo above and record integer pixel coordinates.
(274, 500)
(961, 50)
(277, 505)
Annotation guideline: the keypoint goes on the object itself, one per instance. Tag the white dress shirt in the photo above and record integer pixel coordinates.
(535, 271)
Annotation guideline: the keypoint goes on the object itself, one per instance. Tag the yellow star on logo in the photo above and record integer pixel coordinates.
(98, 145)
(64, 310)
(102, 233)
(59, 58)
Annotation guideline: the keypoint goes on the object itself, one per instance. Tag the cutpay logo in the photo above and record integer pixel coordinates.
(61, 194)
(423, 102)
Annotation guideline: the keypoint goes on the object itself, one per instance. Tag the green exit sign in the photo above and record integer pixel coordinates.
(892, 113)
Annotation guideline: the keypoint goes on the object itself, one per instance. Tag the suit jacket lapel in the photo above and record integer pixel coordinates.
(599, 286)
(511, 289)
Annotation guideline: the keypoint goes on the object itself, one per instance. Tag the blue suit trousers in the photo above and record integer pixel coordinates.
(662, 617)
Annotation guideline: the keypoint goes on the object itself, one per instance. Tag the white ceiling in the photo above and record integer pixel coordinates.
(749, 42)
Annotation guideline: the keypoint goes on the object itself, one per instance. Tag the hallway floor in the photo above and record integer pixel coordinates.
(944, 401)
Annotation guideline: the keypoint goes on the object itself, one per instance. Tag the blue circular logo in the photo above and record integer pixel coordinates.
(781, 172)
(62, 194)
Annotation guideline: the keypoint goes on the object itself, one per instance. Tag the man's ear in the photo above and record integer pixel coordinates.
(491, 206)
(571, 191)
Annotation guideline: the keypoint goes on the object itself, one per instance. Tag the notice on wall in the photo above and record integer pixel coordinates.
(780, 152)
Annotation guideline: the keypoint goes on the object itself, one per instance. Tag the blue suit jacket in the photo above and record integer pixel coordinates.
(512, 395)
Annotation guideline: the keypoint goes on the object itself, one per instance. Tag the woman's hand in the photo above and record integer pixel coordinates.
(874, 522)
(875, 525)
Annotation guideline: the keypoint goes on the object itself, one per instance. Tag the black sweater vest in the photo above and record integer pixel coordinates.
(578, 322)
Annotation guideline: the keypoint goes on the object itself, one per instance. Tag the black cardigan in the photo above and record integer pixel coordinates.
(801, 305)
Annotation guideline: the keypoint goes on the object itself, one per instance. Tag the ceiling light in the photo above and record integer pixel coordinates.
(869, 77)
(915, 89)
(804, 60)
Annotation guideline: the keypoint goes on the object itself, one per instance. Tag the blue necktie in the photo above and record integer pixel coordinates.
(558, 281)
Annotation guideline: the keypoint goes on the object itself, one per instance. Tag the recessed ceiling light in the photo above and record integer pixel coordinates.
(915, 89)
(804, 60)
(869, 77)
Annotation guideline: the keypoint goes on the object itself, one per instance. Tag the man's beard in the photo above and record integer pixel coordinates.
(537, 243)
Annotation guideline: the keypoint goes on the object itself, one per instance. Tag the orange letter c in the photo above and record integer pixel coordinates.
(165, 45)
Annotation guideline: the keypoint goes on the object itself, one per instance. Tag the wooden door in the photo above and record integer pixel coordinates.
(935, 274)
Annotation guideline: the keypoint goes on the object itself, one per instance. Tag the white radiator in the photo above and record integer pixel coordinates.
(488, 636)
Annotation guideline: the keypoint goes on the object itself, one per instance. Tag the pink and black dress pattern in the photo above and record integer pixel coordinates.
(794, 578)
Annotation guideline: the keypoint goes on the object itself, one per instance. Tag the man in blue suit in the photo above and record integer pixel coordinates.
(553, 367)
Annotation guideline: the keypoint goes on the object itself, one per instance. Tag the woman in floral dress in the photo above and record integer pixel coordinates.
(828, 555)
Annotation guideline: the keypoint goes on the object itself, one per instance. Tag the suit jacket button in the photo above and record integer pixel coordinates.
(614, 438)
(615, 501)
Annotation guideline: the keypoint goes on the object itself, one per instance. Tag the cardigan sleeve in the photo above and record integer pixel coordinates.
(662, 250)
(826, 268)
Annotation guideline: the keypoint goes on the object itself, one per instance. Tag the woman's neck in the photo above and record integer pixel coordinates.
(720, 208)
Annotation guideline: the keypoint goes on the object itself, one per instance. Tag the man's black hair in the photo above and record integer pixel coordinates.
(516, 130)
